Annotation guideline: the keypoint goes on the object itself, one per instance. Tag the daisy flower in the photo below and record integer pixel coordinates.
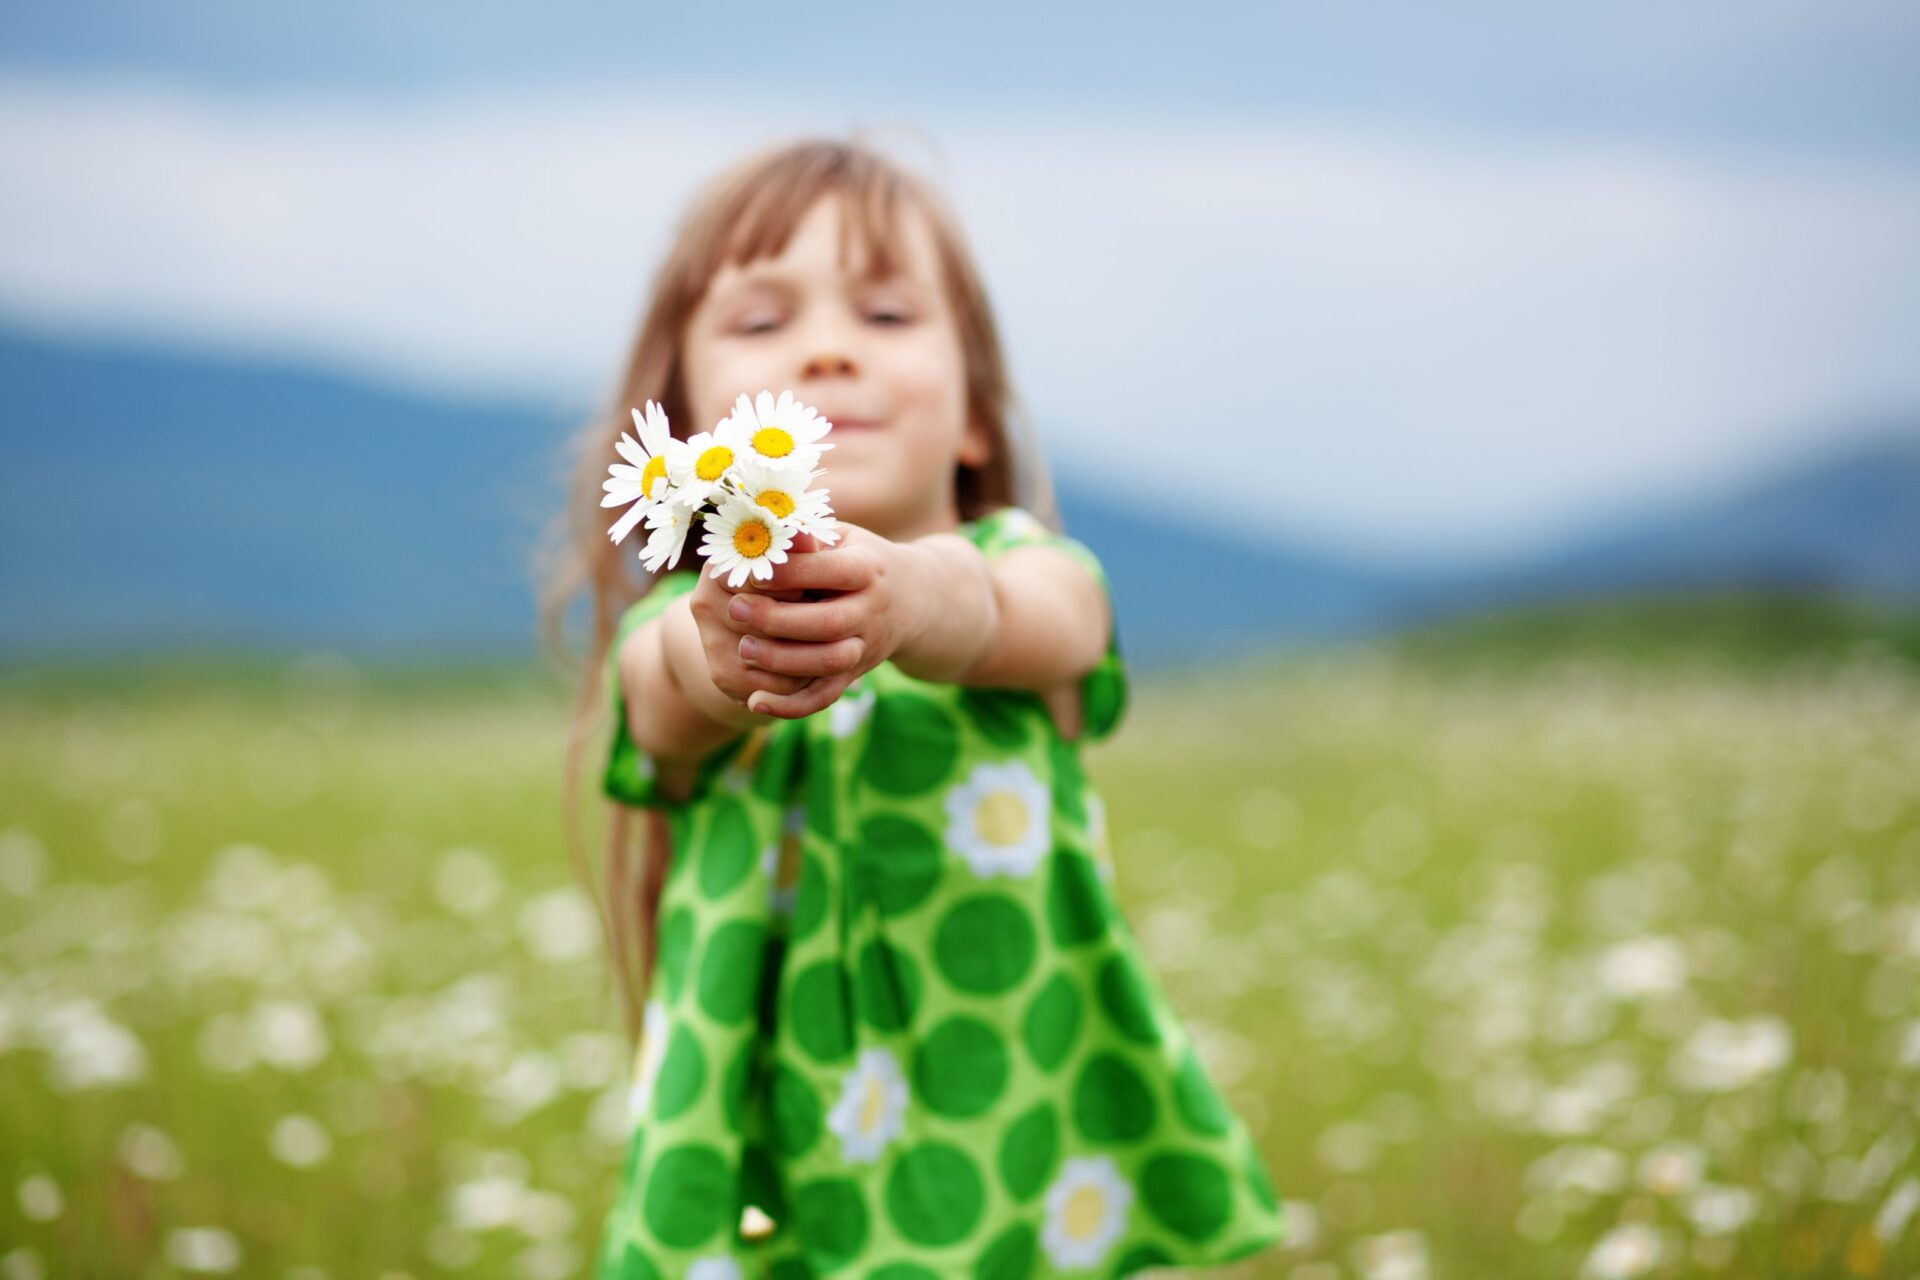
(699, 467)
(670, 522)
(871, 1107)
(644, 482)
(742, 539)
(782, 433)
(784, 492)
(1086, 1211)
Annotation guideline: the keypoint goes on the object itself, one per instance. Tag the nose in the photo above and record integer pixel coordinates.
(825, 365)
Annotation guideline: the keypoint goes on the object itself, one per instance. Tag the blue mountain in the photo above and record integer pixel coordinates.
(155, 500)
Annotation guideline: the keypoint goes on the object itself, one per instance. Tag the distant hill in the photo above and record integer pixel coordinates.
(1843, 522)
(155, 501)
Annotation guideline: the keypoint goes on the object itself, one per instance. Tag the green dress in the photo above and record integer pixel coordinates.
(896, 1009)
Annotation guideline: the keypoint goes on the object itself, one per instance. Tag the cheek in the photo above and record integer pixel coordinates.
(930, 374)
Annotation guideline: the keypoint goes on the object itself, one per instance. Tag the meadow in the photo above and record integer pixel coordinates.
(1522, 959)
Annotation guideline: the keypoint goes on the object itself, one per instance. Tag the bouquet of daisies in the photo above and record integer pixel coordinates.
(745, 482)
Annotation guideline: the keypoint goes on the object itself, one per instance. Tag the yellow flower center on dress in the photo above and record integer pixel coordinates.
(781, 504)
(656, 469)
(870, 1106)
(752, 538)
(714, 462)
(1082, 1216)
(772, 442)
(1000, 817)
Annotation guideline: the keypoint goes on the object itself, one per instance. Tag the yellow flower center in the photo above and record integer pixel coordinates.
(656, 469)
(752, 538)
(1082, 1216)
(772, 442)
(1000, 817)
(714, 462)
(781, 504)
(870, 1105)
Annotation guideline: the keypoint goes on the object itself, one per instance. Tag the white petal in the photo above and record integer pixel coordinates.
(624, 525)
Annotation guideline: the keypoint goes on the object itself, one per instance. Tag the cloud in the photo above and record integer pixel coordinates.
(1413, 341)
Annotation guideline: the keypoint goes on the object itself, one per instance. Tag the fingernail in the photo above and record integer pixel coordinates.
(753, 705)
(738, 609)
(749, 648)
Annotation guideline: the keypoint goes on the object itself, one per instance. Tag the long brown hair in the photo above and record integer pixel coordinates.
(746, 212)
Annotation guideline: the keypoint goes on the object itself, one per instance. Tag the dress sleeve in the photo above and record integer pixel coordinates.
(1103, 689)
(630, 775)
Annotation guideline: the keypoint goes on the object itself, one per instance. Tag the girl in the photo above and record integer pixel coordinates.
(899, 1028)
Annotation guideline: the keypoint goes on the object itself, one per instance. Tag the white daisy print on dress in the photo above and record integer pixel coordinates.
(849, 711)
(717, 1266)
(652, 1050)
(872, 1104)
(998, 819)
(642, 480)
(784, 433)
(1086, 1211)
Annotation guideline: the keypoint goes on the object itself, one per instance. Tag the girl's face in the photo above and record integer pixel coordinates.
(880, 359)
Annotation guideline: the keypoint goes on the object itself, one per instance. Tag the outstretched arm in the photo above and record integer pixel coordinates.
(1029, 618)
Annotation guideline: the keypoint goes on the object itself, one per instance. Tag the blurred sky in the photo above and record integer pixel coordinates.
(1417, 279)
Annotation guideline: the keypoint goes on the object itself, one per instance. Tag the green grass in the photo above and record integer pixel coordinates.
(1499, 943)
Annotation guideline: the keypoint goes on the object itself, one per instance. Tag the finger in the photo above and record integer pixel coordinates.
(830, 619)
(829, 569)
(752, 679)
(819, 693)
(802, 658)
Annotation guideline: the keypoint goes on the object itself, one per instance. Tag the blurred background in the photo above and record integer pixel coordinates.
(1523, 807)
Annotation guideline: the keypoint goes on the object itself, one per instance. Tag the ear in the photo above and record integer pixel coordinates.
(976, 447)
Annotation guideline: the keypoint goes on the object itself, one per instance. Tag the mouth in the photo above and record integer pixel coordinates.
(852, 424)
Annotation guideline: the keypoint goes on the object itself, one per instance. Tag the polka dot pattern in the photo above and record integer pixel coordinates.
(832, 1212)
(961, 1067)
(985, 944)
(1052, 1023)
(681, 1075)
(896, 1008)
(898, 863)
(727, 853)
(912, 744)
(935, 1194)
(1111, 1102)
(1028, 1150)
(822, 1011)
(1189, 1193)
(688, 1191)
(888, 989)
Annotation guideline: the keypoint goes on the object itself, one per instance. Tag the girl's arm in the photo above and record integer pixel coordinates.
(676, 712)
(1030, 618)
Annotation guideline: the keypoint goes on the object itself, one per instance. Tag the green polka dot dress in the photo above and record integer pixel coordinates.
(896, 1010)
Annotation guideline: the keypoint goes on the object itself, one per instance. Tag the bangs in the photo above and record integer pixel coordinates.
(767, 200)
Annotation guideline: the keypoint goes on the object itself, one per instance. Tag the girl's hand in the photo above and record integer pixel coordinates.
(829, 615)
(720, 639)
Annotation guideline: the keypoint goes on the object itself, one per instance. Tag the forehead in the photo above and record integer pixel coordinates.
(833, 241)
